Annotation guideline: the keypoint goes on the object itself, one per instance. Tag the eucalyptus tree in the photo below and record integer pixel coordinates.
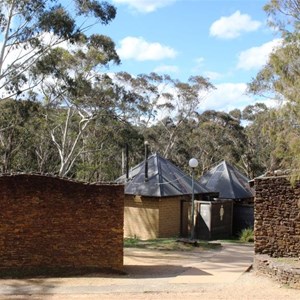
(70, 81)
(11, 139)
(258, 157)
(24, 144)
(29, 29)
(103, 155)
(280, 79)
(211, 136)
(186, 101)
(31, 32)
(219, 136)
(165, 105)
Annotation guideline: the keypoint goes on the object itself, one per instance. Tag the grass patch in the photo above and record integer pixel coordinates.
(247, 236)
(131, 242)
(169, 244)
(291, 261)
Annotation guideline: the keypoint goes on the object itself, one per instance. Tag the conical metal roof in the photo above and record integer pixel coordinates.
(164, 180)
(228, 181)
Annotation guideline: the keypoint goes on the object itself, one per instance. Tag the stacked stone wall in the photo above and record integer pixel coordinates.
(284, 271)
(53, 225)
(277, 229)
(277, 217)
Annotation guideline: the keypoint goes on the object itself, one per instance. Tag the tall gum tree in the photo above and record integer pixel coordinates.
(78, 92)
(31, 33)
(165, 104)
(29, 29)
(280, 79)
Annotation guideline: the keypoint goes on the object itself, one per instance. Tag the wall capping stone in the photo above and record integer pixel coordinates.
(48, 175)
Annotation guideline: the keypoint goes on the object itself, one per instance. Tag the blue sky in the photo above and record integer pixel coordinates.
(227, 41)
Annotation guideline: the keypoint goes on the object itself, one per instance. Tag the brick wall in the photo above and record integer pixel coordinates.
(52, 225)
(277, 217)
(151, 217)
(141, 217)
(169, 217)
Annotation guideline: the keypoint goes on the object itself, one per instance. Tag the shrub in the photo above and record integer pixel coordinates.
(247, 235)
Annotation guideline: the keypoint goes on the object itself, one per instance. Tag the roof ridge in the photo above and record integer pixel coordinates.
(158, 165)
(230, 177)
(166, 179)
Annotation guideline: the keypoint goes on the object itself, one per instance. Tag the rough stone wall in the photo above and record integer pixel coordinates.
(285, 272)
(277, 217)
(52, 225)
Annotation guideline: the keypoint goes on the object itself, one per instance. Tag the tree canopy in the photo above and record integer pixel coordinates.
(280, 79)
(29, 29)
(62, 113)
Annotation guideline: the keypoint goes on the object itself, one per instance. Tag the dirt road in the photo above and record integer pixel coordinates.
(153, 274)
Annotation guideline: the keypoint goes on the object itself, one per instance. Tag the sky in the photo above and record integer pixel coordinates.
(227, 41)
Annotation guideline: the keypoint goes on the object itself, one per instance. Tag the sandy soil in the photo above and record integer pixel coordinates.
(150, 276)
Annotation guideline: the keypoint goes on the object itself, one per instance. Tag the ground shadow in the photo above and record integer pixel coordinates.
(161, 271)
(27, 287)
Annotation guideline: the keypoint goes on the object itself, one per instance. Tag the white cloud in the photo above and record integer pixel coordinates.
(139, 49)
(145, 6)
(26, 56)
(166, 69)
(213, 75)
(229, 96)
(226, 97)
(256, 57)
(199, 62)
(233, 26)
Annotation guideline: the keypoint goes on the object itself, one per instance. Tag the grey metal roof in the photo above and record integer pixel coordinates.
(164, 180)
(228, 181)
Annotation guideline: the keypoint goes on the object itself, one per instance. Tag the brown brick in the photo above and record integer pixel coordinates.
(53, 224)
(149, 218)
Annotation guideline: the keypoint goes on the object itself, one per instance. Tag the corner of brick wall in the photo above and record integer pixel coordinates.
(53, 225)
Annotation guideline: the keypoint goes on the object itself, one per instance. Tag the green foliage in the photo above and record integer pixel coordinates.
(58, 21)
(101, 10)
(262, 139)
(280, 79)
(24, 143)
(131, 242)
(247, 235)
(284, 16)
(30, 29)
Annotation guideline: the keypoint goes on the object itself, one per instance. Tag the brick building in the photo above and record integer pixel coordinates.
(157, 199)
(232, 185)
